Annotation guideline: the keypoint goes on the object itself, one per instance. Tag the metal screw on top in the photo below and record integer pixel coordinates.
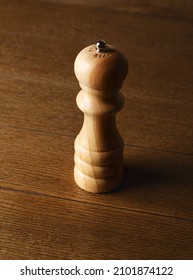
(100, 46)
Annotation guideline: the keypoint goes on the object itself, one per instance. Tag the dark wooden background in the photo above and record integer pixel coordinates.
(43, 214)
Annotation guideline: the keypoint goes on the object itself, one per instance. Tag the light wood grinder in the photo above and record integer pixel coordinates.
(101, 70)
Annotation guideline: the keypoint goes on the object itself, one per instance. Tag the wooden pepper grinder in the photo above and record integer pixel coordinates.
(101, 70)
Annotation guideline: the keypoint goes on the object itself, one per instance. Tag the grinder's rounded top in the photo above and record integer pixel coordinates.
(101, 67)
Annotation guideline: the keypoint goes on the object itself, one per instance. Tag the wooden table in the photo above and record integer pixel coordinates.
(43, 214)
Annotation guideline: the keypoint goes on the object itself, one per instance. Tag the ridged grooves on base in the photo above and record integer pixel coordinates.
(95, 185)
(98, 179)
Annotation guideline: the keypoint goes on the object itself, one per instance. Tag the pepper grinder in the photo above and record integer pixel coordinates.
(101, 70)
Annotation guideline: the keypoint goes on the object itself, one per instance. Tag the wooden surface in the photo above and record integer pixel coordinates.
(43, 214)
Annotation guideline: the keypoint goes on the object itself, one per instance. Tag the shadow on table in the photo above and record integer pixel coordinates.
(140, 176)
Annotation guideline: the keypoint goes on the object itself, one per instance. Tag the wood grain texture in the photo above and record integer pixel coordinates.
(43, 214)
(71, 230)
